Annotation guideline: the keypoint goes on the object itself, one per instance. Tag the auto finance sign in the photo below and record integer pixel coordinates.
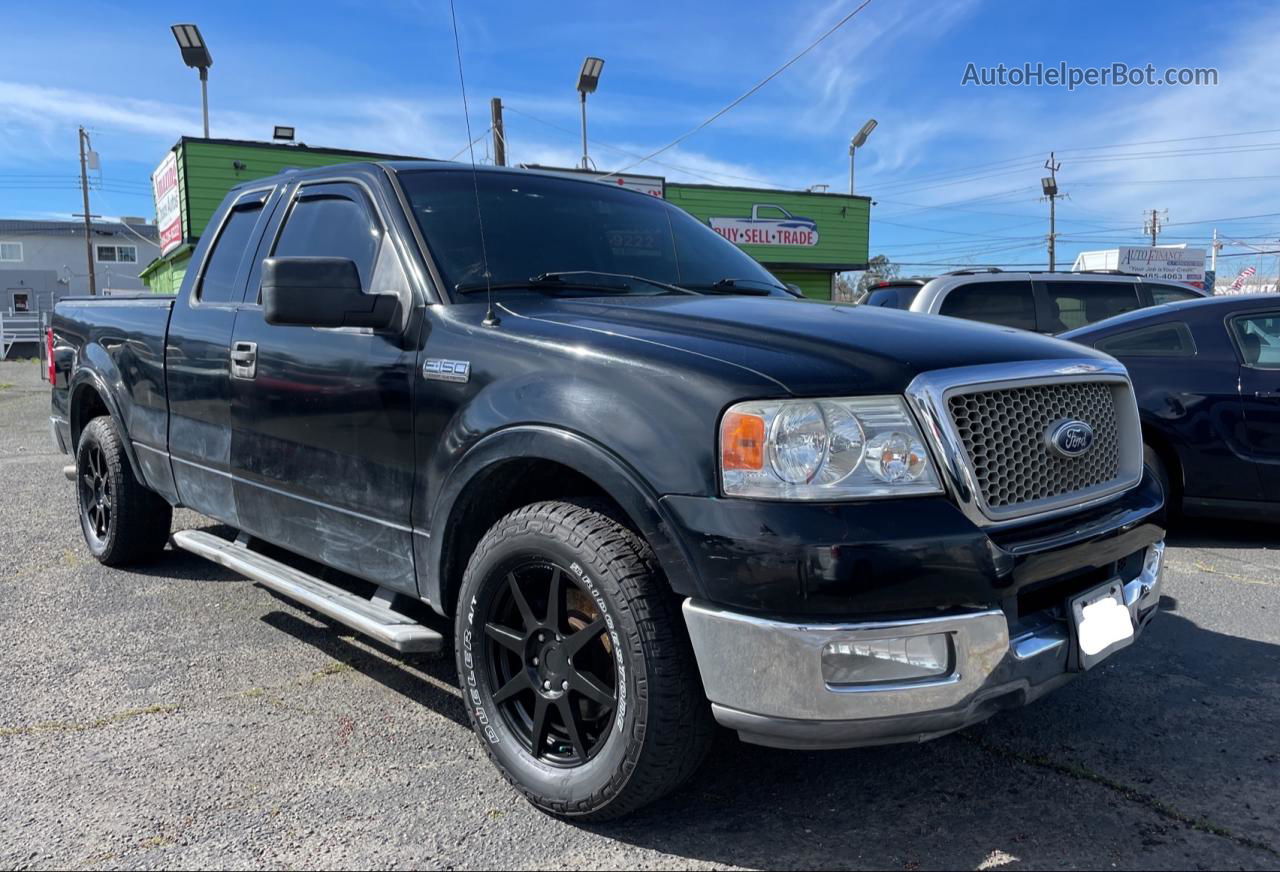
(1177, 264)
(164, 187)
(767, 225)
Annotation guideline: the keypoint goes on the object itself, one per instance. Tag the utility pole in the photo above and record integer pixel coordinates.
(1049, 186)
(1213, 252)
(88, 227)
(499, 137)
(1152, 225)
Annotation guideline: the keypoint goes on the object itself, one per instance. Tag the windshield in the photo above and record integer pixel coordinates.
(535, 225)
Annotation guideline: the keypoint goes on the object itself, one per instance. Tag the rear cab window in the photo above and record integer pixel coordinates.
(218, 283)
(1073, 304)
(1008, 303)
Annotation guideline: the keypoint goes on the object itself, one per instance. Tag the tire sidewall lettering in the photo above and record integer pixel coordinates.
(471, 692)
(619, 721)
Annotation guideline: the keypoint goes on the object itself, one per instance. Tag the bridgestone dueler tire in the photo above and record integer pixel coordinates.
(665, 728)
(139, 518)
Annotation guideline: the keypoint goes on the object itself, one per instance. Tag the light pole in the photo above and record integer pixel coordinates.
(588, 79)
(196, 54)
(859, 139)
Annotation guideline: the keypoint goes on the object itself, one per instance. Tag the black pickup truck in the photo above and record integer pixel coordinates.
(652, 490)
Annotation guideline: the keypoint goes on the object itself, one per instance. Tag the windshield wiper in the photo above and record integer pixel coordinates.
(561, 281)
(543, 283)
(732, 286)
(666, 286)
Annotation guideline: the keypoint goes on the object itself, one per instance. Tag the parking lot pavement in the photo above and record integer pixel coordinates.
(177, 715)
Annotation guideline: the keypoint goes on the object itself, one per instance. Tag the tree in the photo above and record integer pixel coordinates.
(879, 269)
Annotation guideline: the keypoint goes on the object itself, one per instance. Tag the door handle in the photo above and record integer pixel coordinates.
(1266, 395)
(244, 359)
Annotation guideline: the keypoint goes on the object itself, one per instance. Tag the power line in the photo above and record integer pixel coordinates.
(458, 153)
(1034, 158)
(1176, 181)
(1182, 152)
(766, 80)
(1249, 253)
(895, 188)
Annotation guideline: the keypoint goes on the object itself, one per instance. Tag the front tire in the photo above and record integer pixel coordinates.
(122, 521)
(574, 665)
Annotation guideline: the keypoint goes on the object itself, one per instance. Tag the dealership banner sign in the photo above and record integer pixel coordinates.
(1174, 264)
(767, 225)
(164, 187)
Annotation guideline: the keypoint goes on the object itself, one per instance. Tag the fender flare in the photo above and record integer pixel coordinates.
(613, 475)
(88, 379)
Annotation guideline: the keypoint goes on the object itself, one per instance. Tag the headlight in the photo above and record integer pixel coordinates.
(833, 449)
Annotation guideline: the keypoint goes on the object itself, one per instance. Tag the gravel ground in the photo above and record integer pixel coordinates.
(178, 715)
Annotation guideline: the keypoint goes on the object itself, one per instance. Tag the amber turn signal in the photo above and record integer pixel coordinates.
(742, 441)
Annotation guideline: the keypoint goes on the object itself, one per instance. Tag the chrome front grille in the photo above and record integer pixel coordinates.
(1004, 433)
(989, 429)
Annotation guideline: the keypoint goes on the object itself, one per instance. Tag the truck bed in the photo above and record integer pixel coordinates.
(123, 337)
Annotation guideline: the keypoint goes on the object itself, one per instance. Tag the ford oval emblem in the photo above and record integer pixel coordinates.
(1070, 438)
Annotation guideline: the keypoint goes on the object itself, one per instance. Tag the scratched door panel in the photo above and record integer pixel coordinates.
(323, 441)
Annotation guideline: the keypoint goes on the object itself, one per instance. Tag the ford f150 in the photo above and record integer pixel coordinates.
(651, 489)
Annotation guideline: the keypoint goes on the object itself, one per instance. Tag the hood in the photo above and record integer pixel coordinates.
(812, 348)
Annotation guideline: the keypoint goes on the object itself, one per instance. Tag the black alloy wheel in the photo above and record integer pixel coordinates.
(96, 507)
(575, 667)
(552, 665)
(123, 521)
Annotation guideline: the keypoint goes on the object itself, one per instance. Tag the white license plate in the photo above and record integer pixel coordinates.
(1102, 623)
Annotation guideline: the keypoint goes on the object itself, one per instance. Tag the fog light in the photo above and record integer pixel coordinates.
(903, 659)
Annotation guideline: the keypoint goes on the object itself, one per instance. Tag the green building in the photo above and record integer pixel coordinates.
(196, 174)
(802, 237)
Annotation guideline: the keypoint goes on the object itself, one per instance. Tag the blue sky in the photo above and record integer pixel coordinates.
(954, 170)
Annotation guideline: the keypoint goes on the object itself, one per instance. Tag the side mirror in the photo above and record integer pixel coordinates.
(794, 290)
(322, 292)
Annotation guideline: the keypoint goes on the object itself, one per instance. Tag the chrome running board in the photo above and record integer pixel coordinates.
(374, 618)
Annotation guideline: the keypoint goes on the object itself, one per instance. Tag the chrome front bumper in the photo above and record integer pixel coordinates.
(764, 678)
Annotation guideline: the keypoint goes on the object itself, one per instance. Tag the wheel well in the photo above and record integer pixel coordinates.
(86, 405)
(1168, 456)
(501, 489)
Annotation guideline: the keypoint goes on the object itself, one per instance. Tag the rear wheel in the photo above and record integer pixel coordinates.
(578, 676)
(122, 520)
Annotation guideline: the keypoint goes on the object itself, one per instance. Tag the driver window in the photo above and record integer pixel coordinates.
(1258, 337)
(331, 225)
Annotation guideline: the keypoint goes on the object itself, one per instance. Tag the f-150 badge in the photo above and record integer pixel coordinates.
(446, 370)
